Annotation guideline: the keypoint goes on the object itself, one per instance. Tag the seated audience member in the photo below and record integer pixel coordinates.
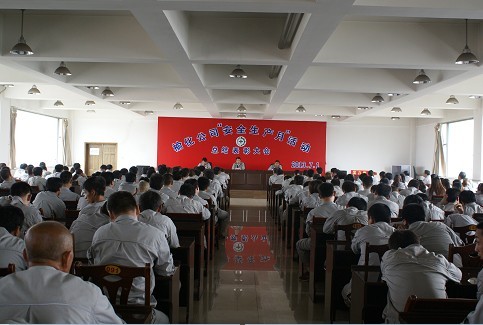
(45, 172)
(276, 164)
(336, 183)
(413, 188)
(109, 178)
(291, 194)
(433, 213)
(383, 194)
(399, 182)
(367, 182)
(167, 188)
(409, 268)
(21, 173)
(355, 212)
(427, 178)
(221, 215)
(309, 175)
(220, 178)
(238, 164)
(446, 184)
(129, 185)
(75, 166)
(80, 177)
(184, 203)
(177, 182)
(134, 170)
(57, 170)
(37, 179)
(50, 203)
(349, 189)
(91, 217)
(459, 219)
(277, 177)
(116, 180)
(127, 241)
(450, 199)
(143, 187)
(215, 187)
(376, 233)
(65, 193)
(310, 199)
(434, 236)
(196, 197)
(46, 293)
(150, 205)
(457, 185)
(468, 200)
(396, 197)
(8, 180)
(11, 246)
(476, 316)
(204, 162)
(20, 195)
(479, 194)
(326, 208)
(465, 182)
(436, 189)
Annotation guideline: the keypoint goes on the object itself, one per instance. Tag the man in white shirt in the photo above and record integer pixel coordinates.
(367, 182)
(215, 187)
(8, 180)
(450, 199)
(396, 197)
(276, 164)
(167, 187)
(109, 178)
(21, 173)
(413, 188)
(65, 193)
(46, 293)
(11, 246)
(220, 178)
(57, 170)
(91, 217)
(410, 269)
(383, 193)
(349, 192)
(221, 215)
(204, 162)
(127, 241)
(427, 178)
(238, 164)
(354, 212)
(311, 198)
(476, 316)
(50, 203)
(337, 189)
(468, 200)
(277, 177)
(184, 203)
(150, 205)
(37, 179)
(129, 185)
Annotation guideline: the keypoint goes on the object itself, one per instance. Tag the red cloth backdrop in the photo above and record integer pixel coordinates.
(298, 145)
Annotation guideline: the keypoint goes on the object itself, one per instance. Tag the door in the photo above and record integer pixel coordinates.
(98, 154)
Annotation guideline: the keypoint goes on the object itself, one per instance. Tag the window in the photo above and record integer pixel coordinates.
(38, 138)
(458, 147)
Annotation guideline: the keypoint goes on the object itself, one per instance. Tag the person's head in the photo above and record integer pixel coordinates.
(298, 180)
(314, 186)
(38, 171)
(479, 240)
(76, 166)
(319, 170)
(413, 212)
(30, 170)
(402, 239)
(467, 197)
(277, 171)
(49, 243)
(383, 190)
(53, 184)
(193, 182)
(203, 183)
(66, 178)
(94, 188)
(156, 181)
(208, 173)
(124, 171)
(446, 184)
(43, 165)
(276, 164)
(108, 177)
(457, 184)
(103, 168)
(168, 179)
(452, 195)
(462, 175)
(413, 183)
(389, 176)
(423, 196)
(334, 171)
(379, 212)
(238, 160)
(382, 174)
(23, 166)
(58, 168)
(5, 174)
(122, 203)
(413, 198)
(348, 186)
(204, 160)
(358, 203)
(150, 200)
(151, 172)
(326, 191)
(187, 190)
(384, 181)
(217, 170)
(335, 181)
(134, 170)
(11, 218)
(130, 177)
(21, 189)
(185, 172)
(367, 182)
(310, 173)
(143, 186)
(427, 172)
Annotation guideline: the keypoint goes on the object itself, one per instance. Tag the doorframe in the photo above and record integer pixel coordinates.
(86, 144)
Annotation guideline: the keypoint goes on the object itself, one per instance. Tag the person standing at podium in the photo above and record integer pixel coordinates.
(238, 164)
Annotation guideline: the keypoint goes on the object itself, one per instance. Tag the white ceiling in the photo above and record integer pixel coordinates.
(156, 53)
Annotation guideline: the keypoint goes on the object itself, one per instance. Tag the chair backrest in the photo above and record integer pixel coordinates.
(469, 258)
(112, 277)
(478, 217)
(4, 192)
(185, 216)
(379, 249)
(349, 230)
(70, 217)
(463, 233)
(319, 220)
(447, 213)
(70, 205)
(7, 270)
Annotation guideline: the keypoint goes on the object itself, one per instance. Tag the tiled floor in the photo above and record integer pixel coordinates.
(260, 296)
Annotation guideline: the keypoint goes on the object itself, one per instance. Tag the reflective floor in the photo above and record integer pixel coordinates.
(261, 285)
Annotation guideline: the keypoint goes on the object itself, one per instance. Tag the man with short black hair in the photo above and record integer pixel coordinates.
(349, 189)
(468, 200)
(427, 178)
(127, 241)
(409, 268)
(11, 246)
(21, 173)
(184, 203)
(221, 215)
(50, 203)
(367, 182)
(277, 177)
(6, 176)
(383, 194)
(129, 185)
(59, 168)
(37, 179)
(354, 212)
(65, 193)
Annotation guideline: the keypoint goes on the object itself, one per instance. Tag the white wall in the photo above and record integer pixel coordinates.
(424, 146)
(136, 136)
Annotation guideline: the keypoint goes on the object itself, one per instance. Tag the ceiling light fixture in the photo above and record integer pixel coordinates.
(125, 103)
(238, 73)
(241, 108)
(422, 78)
(300, 109)
(62, 70)
(148, 112)
(425, 112)
(178, 106)
(34, 90)
(8, 85)
(241, 115)
(377, 99)
(58, 103)
(394, 118)
(21, 48)
(90, 103)
(92, 87)
(90, 111)
(393, 94)
(452, 100)
(335, 116)
(474, 96)
(363, 108)
(466, 57)
(396, 110)
(107, 92)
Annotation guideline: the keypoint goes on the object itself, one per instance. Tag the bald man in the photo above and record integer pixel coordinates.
(46, 292)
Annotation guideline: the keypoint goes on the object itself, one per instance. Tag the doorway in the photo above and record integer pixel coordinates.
(98, 154)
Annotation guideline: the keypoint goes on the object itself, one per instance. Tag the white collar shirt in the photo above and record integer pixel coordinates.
(338, 191)
(292, 192)
(44, 295)
(38, 181)
(409, 191)
(345, 198)
(163, 223)
(67, 195)
(435, 236)
(375, 234)
(275, 179)
(215, 188)
(344, 217)
(397, 198)
(433, 212)
(11, 250)
(472, 208)
(31, 214)
(310, 201)
(128, 187)
(183, 204)
(391, 205)
(460, 220)
(177, 185)
(365, 192)
(51, 205)
(169, 192)
(206, 195)
(324, 209)
(7, 184)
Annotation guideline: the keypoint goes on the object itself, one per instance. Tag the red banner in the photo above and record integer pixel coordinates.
(247, 248)
(358, 171)
(297, 145)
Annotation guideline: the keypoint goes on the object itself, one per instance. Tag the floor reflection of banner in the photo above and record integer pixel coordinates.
(247, 248)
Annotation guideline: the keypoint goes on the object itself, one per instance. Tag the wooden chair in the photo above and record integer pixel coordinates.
(349, 230)
(70, 217)
(436, 311)
(379, 249)
(447, 213)
(478, 217)
(468, 255)
(463, 233)
(70, 205)
(4, 192)
(120, 277)
(35, 190)
(7, 270)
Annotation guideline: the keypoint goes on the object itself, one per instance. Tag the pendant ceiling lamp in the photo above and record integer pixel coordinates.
(425, 112)
(452, 100)
(62, 70)
(21, 48)
(241, 108)
(377, 99)
(34, 90)
(466, 57)
(300, 109)
(107, 92)
(238, 73)
(422, 78)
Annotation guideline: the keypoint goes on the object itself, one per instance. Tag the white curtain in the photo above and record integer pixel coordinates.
(66, 143)
(439, 163)
(13, 149)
